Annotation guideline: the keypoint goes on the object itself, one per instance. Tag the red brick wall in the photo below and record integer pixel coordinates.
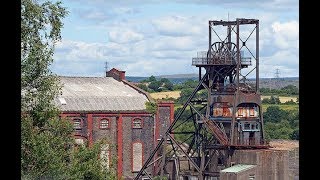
(145, 135)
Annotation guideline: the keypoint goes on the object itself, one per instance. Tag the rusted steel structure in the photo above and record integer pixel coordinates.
(229, 118)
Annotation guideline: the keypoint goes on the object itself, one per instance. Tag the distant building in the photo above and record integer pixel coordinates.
(112, 108)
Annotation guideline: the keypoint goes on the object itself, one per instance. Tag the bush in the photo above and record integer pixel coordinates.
(274, 114)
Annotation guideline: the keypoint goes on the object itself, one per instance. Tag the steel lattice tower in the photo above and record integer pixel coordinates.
(206, 132)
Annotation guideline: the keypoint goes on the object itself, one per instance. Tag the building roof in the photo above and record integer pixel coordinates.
(98, 94)
(238, 168)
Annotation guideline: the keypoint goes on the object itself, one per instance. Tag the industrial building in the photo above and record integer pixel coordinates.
(227, 138)
(113, 109)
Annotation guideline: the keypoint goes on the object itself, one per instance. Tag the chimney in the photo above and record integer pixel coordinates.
(116, 74)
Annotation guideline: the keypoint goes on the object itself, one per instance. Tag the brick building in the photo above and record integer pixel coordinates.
(113, 109)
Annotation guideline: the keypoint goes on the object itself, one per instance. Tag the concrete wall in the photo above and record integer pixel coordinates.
(271, 164)
(294, 164)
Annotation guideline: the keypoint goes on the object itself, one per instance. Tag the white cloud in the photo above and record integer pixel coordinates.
(286, 34)
(165, 43)
(174, 43)
(176, 26)
(122, 35)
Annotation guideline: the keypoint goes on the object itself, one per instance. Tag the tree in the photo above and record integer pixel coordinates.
(155, 85)
(274, 100)
(290, 89)
(168, 85)
(143, 87)
(265, 101)
(295, 134)
(184, 95)
(274, 114)
(152, 78)
(46, 140)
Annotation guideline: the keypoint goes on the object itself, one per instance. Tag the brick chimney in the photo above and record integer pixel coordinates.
(116, 74)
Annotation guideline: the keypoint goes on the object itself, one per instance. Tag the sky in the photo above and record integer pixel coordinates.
(160, 37)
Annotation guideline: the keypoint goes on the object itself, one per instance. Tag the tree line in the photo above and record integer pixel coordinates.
(151, 84)
(48, 150)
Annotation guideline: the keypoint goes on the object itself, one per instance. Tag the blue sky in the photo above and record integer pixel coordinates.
(158, 37)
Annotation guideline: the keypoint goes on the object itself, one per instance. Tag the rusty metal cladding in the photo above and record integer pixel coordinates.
(229, 119)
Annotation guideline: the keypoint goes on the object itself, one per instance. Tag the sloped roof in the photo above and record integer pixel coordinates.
(98, 94)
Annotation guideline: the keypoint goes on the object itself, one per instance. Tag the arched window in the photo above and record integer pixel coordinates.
(137, 158)
(77, 123)
(104, 124)
(137, 123)
(105, 156)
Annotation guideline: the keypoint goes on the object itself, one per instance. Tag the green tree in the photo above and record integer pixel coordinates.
(274, 100)
(46, 140)
(152, 78)
(274, 114)
(290, 90)
(143, 87)
(265, 101)
(167, 83)
(295, 134)
(184, 95)
(85, 164)
(155, 85)
(278, 130)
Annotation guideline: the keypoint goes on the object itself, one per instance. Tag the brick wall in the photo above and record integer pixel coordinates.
(130, 135)
(145, 135)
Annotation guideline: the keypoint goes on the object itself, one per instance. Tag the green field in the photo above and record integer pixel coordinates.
(281, 106)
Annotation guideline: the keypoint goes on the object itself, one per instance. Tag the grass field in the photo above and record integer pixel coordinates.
(282, 99)
(281, 106)
(160, 95)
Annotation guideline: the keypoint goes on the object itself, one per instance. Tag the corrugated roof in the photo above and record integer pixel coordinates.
(98, 94)
(238, 168)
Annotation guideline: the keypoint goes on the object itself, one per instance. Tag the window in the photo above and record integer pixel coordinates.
(136, 123)
(104, 123)
(247, 126)
(240, 111)
(77, 124)
(251, 111)
(227, 112)
(105, 156)
(137, 156)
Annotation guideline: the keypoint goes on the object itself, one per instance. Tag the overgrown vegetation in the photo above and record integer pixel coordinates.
(151, 107)
(289, 90)
(281, 124)
(47, 143)
(153, 85)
